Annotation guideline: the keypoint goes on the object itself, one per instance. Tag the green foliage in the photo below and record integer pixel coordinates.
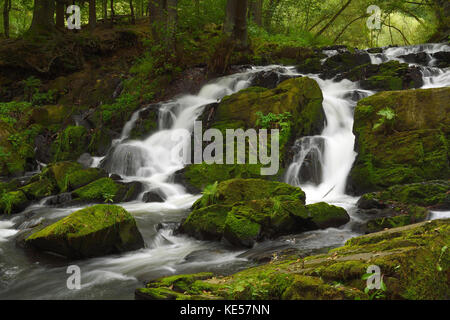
(387, 118)
(276, 121)
(209, 194)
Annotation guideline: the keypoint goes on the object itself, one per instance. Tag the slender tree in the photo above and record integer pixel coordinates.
(92, 14)
(43, 17)
(6, 10)
(235, 25)
(60, 13)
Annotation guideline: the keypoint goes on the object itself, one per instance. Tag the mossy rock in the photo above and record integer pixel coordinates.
(57, 173)
(13, 202)
(94, 231)
(410, 147)
(414, 262)
(80, 178)
(406, 215)
(434, 194)
(235, 190)
(388, 76)
(107, 190)
(39, 189)
(70, 143)
(324, 215)
(243, 211)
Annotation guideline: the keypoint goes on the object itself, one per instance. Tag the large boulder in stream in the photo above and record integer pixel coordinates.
(401, 205)
(414, 262)
(294, 107)
(242, 211)
(388, 76)
(91, 232)
(401, 137)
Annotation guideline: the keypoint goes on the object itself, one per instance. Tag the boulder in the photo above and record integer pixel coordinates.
(107, 190)
(153, 196)
(413, 261)
(243, 211)
(91, 232)
(13, 202)
(388, 76)
(301, 98)
(401, 138)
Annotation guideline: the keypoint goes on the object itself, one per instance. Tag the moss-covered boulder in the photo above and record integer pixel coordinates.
(57, 173)
(13, 202)
(94, 231)
(398, 216)
(80, 178)
(391, 75)
(296, 103)
(107, 190)
(433, 194)
(414, 263)
(401, 137)
(243, 211)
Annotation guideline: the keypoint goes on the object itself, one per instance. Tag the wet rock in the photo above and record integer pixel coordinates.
(60, 199)
(418, 58)
(115, 177)
(400, 139)
(243, 211)
(343, 62)
(153, 196)
(77, 235)
(269, 79)
(85, 160)
(417, 247)
(442, 59)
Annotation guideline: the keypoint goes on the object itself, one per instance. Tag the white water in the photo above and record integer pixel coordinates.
(338, 156)
(149, 161)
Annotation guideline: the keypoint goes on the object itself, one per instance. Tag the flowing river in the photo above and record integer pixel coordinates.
(327, 159)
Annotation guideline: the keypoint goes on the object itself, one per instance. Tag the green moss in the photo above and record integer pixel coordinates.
(207, 223)
(70, 144)
(414, 149)
(239, 230)
(407, 215)
(408, 258)
(93, 231)
(243, 211)
(325, 215)
(39, 189)
(83, 177)
(103, 189)
(12, 202)
(430, 193)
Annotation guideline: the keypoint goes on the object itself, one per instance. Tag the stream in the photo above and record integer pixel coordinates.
(327, 158)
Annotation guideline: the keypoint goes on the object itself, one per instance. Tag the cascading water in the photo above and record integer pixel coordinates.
(320, 167)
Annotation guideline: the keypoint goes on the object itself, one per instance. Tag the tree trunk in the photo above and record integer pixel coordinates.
(230, 17)
(104, 10)
(332, 19)
(60, 14)
(235, 25)
(133, 20)
(112, 11)
(171, 21)
(6, 10)
(156, 15)
(92, 14)
(43, 17)
(257, 12)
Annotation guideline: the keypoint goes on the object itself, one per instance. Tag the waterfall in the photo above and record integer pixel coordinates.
(152, 161)
(322, 163)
